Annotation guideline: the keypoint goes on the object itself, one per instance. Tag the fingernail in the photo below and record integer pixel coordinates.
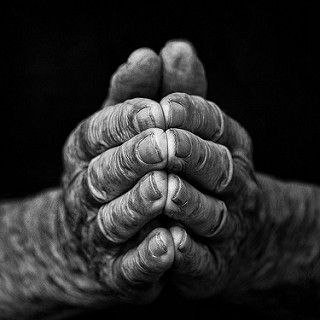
(157, 246)
(180, 196)
(182, 144)
(150, 189)
(178, 114)
(143, 119)
(175, 114)
(149, 150)
(149, 117)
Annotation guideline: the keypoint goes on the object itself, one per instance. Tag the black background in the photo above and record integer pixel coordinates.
(260, 59)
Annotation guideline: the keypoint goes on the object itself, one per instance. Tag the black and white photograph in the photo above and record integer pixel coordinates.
(159, 160)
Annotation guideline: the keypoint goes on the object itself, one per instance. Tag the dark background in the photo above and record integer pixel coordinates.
(260, 59)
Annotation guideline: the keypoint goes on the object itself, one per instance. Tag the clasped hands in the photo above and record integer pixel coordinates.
(154, 188)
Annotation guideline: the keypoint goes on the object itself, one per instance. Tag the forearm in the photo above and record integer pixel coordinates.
(41, 266)
(284, 236)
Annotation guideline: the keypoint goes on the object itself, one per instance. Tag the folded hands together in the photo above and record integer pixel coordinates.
(160, 181)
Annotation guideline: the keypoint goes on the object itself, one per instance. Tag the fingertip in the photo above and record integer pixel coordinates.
(160, 138)
(145, 57)
(152, 148)
(158, 182)
(166, 111)
(179, 148)
(138, 77)
(154, 190)
(161, 247)
(174, 113)
(158, 116)
(149, 115)
(143, 70)
(176, 109)
(142, 267)
(182, 69)
(180, 239)
(174, 186)
(177, 52)
(157, 246)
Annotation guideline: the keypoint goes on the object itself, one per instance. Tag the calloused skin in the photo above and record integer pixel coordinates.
(153, 188)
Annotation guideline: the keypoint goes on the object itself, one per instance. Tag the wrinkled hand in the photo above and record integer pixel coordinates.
(114, 187)
(113, 180)
(212, 192)
(116, 182)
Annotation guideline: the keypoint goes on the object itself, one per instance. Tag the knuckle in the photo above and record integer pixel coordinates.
(227, 172)
(93, 136)
(124, 157)
(108, 225)
(135, 207)
(93, 179)
(119, 126)
(127, 162)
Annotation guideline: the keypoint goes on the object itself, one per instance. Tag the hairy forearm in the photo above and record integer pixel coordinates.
(284, 237)
(41, 267)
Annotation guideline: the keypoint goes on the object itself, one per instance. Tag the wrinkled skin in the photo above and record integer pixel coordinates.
(135, 161)
(158, 182)
(180, 172)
